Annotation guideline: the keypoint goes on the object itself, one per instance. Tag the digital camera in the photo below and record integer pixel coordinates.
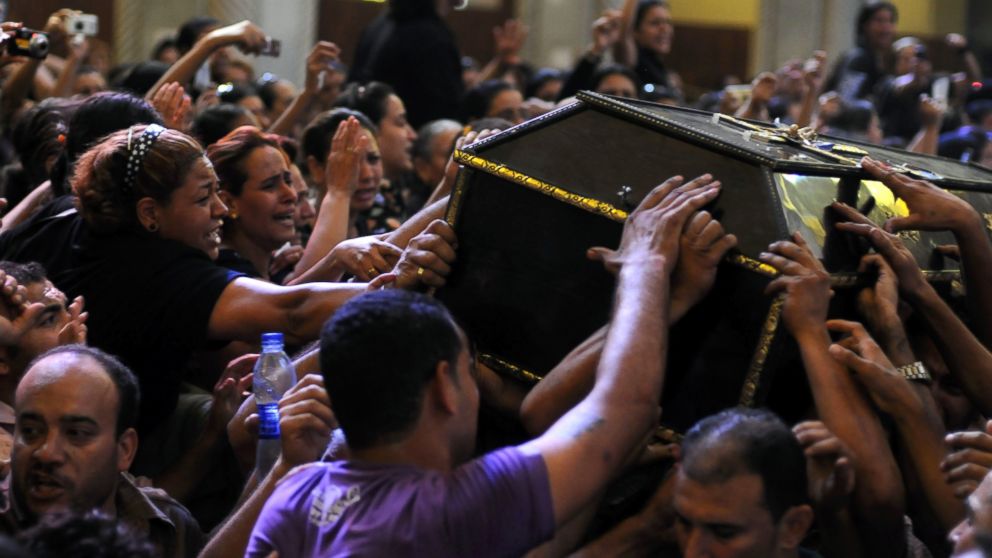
(27, 42)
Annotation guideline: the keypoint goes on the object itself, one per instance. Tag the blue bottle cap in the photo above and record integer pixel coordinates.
(271, 342)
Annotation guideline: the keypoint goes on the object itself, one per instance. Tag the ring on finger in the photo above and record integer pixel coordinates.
(420, 272)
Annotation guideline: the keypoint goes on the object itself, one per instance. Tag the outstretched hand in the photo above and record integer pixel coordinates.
(828, 466)
(930, 207)
(655, 227)
(804, 282)
(348, 148)
(910, 278)
(704, 243)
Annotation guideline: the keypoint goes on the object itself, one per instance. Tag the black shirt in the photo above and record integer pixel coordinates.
(49, 237)
(650, 69)
(150, 302)
(231, 259)
(856, 75)
(418, 58)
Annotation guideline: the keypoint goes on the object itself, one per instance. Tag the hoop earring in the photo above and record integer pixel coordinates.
(153, 227)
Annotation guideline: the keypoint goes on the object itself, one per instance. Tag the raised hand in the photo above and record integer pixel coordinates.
(509, 39)
(969, 460)
(74, 332)
(889, 389)
(813, 70)
(348, 148)
(320, 59)
(228, 393)
(20, 316)
(703, 244)
(930, 208)
(248, 37)
(173, 104)
(804, 281)
(655, 227)
(910, 278)
(828, 466)
(305, 421)
(606, 31)
(427, 260)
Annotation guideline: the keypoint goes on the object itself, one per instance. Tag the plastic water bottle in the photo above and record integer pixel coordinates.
(273, 376)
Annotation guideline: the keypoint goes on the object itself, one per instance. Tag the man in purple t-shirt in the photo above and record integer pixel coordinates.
(401, 379)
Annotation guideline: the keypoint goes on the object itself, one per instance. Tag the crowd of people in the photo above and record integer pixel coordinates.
(161, 216)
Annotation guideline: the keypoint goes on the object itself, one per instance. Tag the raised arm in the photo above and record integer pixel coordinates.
(703, 244)
(587, 446)
(319, 60)
(625, 49)
(933, 209)
(968, 360)
(348, 148)
(246, 35)
(840, 403)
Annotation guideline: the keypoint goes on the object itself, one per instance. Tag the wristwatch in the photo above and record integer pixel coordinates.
(915, 372)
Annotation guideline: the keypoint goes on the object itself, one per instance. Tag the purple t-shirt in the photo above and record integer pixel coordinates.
(497, 505)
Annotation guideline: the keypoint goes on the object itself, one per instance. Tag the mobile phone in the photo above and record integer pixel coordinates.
(272, 47)
(83, 24)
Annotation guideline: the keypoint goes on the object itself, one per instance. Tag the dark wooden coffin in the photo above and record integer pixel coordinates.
(532, 199)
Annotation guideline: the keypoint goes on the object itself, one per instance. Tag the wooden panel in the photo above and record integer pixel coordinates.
(342, 21)
(703, 55)
(35, 13)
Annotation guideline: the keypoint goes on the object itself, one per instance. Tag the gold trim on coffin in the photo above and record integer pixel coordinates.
(499, 365)
(502, 171)
(753, 378)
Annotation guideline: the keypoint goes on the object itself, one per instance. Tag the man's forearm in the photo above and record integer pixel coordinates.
(968, 360)
(845, 411)
(976, 261)
(231, 538)
(922, 434)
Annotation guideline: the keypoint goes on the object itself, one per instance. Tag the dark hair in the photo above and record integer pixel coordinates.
(289, 146)
(867, 12)
(265, 88)
(229, 153)
(85, 534)
(162, 45)
(101, 114)
(38, 135)
(106, 205)
(542, 77)
(24, 273)
(371, 99)
(378, 393)
(320, 131)
(216, 122)
(643, 6)
(613, 69)
(403, 10)
(853, 117)
(425, 137)
(235, 92)
(128, 394)
(743, 441)
(475, 103)
(190, 32)
(140, 78)
(489, 123)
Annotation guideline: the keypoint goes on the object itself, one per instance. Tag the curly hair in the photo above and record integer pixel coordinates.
(105, 203)
(228, 155)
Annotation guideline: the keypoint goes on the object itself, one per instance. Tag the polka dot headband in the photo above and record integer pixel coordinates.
(136, 151)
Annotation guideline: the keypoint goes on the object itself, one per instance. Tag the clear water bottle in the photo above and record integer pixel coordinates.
(273, 377)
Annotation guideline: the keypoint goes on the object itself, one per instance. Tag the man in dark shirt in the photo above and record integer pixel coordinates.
(75, 439)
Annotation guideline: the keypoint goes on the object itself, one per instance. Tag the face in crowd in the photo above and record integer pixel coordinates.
(655, 30)
(67, 451)
(265, 209)
(195, 212)
(396, 139)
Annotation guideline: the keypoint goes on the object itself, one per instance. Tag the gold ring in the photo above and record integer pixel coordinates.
(372, 271)
(420, 272)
